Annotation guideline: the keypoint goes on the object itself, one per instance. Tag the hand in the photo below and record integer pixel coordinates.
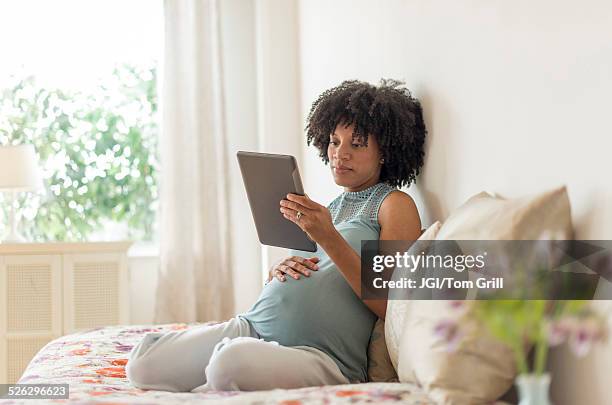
(315, 219)
(293, 266)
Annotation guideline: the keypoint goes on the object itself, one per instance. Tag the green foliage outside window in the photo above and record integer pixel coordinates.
(98, 154)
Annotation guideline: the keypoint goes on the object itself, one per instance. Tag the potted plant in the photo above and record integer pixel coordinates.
(526, 324)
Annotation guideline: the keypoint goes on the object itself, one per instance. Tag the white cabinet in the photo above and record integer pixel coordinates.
(51, 289)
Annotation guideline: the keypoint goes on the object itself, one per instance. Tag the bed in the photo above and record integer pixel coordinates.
(93, 364)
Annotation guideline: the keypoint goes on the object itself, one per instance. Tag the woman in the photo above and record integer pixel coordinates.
(310, 326)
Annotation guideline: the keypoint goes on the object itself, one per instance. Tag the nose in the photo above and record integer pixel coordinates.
(342, 152)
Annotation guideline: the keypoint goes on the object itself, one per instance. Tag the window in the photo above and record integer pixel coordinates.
(78, 80)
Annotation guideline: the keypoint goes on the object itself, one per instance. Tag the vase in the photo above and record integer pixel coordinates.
(533, 389)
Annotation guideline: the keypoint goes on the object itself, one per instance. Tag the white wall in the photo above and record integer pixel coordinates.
(516, 96)
(142, 270)
(515, 93)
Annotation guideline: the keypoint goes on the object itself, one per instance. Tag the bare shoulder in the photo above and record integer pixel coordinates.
(398, 217)
(397, 203)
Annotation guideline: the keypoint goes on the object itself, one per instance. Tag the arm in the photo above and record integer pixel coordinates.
(399, 220)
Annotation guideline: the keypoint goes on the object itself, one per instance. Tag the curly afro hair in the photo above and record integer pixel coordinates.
(387, 111)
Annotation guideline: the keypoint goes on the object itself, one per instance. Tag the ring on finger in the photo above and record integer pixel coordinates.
(299, 215)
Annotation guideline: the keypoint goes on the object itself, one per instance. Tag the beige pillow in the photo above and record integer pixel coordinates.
(398, 309)
(485, 217)
(480, 369)
(380, 368)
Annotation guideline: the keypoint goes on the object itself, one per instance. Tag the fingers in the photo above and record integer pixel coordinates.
(292, 217)
(306, 262)
(302, 200)
(294, 266)
(289, 271)
(300, 268)
(286, 206)
(279, 275)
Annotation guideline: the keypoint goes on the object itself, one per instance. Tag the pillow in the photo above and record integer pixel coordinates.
(486, 217)
(397, 309)
(480, 369)
(380, 368)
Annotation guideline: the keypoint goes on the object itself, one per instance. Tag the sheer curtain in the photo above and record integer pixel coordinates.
(195, 279)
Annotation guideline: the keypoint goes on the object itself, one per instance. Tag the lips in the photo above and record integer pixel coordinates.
(341, 169)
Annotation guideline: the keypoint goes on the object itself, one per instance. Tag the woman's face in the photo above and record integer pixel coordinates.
(354, 165)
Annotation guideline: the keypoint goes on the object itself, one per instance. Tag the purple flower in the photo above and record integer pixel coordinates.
(584, 335)
(457, 304)
(581, 343)
(558, 332)
(459, 308)
(448, 330)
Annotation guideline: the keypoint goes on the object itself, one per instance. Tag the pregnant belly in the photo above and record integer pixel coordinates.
(314, 311)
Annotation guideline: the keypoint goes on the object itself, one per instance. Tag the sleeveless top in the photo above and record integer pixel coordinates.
(322, 311)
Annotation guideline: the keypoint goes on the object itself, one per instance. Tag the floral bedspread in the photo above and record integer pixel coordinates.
(93, 364)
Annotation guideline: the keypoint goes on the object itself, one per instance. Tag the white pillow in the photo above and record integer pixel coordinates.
(480, 369)
(397, 310)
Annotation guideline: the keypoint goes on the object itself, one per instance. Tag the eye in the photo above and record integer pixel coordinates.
(333, 143)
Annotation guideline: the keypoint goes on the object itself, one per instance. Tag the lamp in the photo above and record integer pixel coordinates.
(18, 172)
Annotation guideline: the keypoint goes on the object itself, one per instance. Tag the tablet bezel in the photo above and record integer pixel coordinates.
(268, 178)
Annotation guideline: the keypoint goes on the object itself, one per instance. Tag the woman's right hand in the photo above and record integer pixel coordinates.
(293, 266)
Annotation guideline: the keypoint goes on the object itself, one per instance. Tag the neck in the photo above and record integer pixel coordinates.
(362, 186)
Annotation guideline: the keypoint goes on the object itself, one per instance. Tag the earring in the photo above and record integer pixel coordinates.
(382, 160)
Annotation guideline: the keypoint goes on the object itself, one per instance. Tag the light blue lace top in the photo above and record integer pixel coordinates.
(322, 311)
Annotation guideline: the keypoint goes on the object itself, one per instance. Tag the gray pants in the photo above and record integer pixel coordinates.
(226, 356)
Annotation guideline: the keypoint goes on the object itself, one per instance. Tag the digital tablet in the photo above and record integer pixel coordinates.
(268, 178)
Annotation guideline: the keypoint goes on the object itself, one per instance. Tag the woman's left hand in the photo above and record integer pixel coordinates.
(315, 219)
